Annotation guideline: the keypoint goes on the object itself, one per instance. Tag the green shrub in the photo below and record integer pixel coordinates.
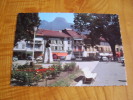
(53, 73)
(58, 68)
(72, 66)
(37, 78)
(66, 67)
(69, 66)
(23, 76)
(48, 73)
(43, 75)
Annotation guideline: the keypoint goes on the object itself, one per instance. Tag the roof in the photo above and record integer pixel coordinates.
(49, 33)
(84, 36)
(74, 34)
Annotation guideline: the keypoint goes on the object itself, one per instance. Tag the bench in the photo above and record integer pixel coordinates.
(88, 76)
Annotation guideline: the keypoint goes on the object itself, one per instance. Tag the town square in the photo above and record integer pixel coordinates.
(86, 51)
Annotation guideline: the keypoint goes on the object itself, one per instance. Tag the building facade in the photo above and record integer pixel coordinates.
(77, 42)
(66, 43)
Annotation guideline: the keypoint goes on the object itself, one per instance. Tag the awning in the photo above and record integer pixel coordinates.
(60, 53)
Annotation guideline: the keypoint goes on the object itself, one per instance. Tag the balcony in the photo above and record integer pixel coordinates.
(19, 48)
(36, 49)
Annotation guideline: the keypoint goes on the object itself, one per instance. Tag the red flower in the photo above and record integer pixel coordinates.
(41, 70)
(51, 69)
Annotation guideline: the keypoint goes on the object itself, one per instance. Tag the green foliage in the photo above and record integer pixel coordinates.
(66, 67)
(48, 73)
(54, 73)
(37, 77)
(72, 66)
(23, 76)
(24, 27)
(99, 25)
(25, 67)
(57, 67)
(69, 66)
(44, 75)
(26, 75)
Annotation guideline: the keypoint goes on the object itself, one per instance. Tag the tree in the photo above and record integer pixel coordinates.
(25, 26)
(100, 26)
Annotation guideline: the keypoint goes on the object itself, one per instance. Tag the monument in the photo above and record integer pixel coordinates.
(48, 58)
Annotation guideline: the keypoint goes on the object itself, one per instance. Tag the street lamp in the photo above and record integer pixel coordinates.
(35, 29)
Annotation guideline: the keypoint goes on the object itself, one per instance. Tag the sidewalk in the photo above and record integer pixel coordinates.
(90, 64)
(109, 74)
(84, 66)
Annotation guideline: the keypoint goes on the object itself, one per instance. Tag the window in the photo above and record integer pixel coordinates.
(52, 41)
(69, 41)
(74, 41)
(60, 48)
(56, 48)
(52, 47)
(117, 49)
(23, 46)
(77, 42)
(56, 42)
(61, 42)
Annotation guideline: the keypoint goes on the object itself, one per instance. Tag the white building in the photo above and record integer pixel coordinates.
(65, 43)
(60, 44)
(78, 49)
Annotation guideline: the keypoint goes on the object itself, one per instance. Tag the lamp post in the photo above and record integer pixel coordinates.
(35, 29)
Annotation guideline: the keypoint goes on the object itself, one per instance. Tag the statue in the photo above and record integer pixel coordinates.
(48, 58)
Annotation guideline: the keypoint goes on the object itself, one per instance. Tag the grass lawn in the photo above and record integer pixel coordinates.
(68, 80)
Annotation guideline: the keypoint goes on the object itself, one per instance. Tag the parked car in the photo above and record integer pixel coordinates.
(15, 58)
(104, 58)
(29, 58)
(122, 60)
(39, 58)
(62, 58)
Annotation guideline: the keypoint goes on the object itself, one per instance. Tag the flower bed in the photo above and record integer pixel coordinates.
(27, 75)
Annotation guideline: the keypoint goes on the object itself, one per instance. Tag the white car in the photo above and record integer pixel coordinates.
(39, 58)
(104, 58)
(122, 60)
(15, 59)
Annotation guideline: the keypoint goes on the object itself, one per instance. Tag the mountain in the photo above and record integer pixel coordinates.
(58, 23)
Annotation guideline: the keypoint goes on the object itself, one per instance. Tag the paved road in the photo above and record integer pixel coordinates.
(109, 73)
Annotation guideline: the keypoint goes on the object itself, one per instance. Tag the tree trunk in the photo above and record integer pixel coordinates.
(112, 45)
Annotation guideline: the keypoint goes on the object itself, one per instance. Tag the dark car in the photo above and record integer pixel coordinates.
(62, 58)
(29, 58)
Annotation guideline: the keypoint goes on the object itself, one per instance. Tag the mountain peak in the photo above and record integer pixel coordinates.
(58, 23)
(60, 19)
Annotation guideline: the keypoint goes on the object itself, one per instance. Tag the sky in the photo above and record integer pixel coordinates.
(51, 16)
